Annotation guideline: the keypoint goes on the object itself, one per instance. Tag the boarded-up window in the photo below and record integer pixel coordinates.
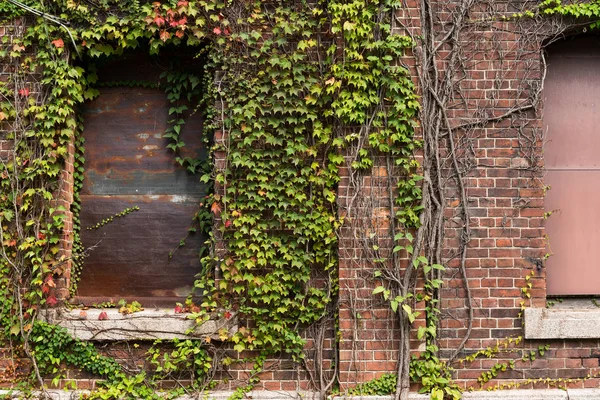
(572, 160)
(128, 166)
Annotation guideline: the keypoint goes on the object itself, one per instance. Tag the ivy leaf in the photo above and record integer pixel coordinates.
(411, 316)
(58, 43)
(239, 347)
(164, 35)
(437, 394)
(394, 304)
(51, 301)
(215, 208)
(15, 329)
(378, 289)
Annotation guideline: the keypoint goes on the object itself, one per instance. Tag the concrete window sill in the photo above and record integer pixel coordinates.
(142, 325)
(567, 322)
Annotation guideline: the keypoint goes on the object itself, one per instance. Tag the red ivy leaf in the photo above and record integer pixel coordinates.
(58, 43)
(102, 316)
(49, 281)
(217, 31)
(159, 21)
(24, 92)
(227, 315)
(182, 4)
(164, 35)
(226, 31)
(178, 309)
(227, 223)
(179, 34)
(215, 208)
(51, 301)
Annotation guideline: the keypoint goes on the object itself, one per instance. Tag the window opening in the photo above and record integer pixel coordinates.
(572, 160)
(137, 203)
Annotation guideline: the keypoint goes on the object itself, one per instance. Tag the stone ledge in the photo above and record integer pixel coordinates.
(516, 394)
(142, 325)
(411, 396)
(56, 394)
(521, 394)
(544, 323)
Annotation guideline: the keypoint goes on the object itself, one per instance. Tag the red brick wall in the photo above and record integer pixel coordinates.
(504, 184)
(7, 30)
(503, 160)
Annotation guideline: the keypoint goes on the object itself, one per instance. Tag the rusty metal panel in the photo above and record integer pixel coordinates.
(124, 146)
(572, 160)
(128, 165)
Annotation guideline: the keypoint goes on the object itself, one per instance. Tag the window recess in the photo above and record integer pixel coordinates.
(572, 160)
(146, 251)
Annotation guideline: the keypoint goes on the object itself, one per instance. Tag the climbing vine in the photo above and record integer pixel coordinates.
(289, 88)
(278, 201)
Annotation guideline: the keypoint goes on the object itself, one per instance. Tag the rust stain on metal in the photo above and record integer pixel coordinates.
(130, 256)
(571, 118)
(127, 165)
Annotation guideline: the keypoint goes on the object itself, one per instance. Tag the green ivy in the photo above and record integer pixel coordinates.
(293, 84)
(589, 10)
(9, 11)
(382, 386)
(278, 207)
(50, 354)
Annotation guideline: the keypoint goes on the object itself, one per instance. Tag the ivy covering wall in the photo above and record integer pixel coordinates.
(295, 94)
(288, 86)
